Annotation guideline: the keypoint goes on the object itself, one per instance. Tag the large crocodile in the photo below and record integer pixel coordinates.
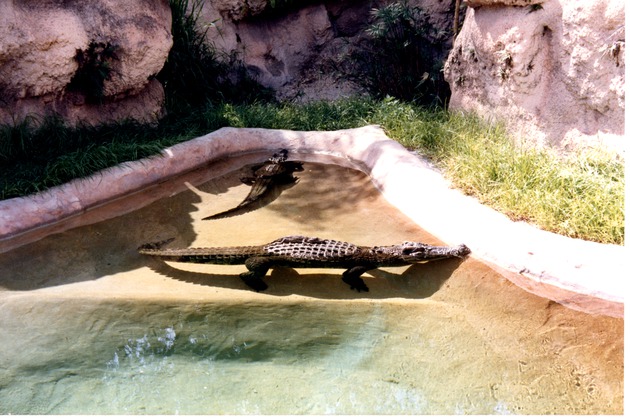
(308, 252)
(268, 182)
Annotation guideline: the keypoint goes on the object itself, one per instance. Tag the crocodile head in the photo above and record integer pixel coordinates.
(414, 252)
(280, 156)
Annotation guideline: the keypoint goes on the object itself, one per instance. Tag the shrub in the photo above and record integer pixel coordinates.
(403, 56)
(95, 67)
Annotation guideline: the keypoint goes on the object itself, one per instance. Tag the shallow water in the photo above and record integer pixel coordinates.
(88, 326)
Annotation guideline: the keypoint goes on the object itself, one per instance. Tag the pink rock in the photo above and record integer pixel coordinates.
(39, 42)
(554, 74)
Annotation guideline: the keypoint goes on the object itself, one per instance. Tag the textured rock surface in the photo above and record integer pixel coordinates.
(298, 51)
(518, 3)
(239, 9)
(39, 44)
(555, 74)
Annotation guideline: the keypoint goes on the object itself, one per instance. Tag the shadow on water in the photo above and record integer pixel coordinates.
(316, 202)
(109, 245)
(325, 192)
(97, 250)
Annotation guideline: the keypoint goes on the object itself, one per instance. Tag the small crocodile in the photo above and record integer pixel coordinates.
(268, 182)
(308, 252)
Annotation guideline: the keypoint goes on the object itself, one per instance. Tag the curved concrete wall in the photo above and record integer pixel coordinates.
(582, 275)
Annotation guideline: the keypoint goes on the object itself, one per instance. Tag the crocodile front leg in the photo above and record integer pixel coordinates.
(352, 277)
(258, 267)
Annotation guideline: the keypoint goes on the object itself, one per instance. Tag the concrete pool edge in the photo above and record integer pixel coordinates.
(578, 274)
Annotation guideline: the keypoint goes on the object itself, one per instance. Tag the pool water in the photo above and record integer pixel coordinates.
(88, 326)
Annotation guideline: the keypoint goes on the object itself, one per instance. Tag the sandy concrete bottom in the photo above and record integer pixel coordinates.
(89, 326)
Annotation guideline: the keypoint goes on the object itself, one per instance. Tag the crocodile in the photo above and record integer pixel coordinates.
(268, 182)
(308, 252)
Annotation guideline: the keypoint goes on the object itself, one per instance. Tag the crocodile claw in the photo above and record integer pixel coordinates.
(253, 281)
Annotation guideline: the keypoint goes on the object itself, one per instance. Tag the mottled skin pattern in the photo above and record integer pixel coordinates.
(268, 181)
(308, 252)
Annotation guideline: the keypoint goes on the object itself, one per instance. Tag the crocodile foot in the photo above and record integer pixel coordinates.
(356, 283)
(253, 281)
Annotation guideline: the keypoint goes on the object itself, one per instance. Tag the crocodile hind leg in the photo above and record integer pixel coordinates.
(258, 268)
(352, 277)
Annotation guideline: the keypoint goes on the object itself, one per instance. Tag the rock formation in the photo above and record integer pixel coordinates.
(300, 48)
(553, 70)
(85, 61)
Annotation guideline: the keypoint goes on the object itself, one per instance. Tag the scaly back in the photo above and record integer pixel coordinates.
(308, 248)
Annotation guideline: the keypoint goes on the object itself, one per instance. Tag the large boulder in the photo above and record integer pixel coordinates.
(552, 70)
(85, 61)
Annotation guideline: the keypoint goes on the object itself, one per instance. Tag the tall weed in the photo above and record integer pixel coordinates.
(403, 56)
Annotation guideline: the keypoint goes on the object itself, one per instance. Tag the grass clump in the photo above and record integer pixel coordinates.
(580, 195)
(37, 156)
(315, 116)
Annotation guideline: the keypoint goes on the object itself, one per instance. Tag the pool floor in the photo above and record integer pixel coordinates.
(89, 326)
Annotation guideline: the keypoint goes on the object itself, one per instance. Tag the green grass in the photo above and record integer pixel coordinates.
(579, 196)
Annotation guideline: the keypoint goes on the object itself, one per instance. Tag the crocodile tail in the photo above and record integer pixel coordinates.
(155, 245)
(224, 214)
